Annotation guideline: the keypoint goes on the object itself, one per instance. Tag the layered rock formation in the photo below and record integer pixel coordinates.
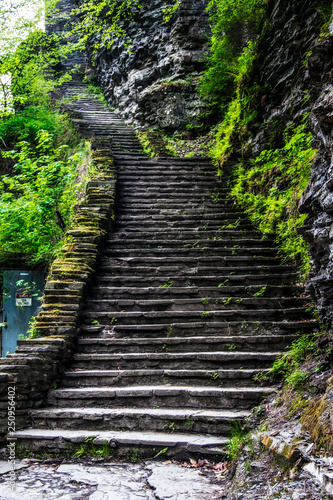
(152, 83)
(295, 67)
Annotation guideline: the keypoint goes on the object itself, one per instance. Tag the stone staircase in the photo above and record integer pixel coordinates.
(189, 305)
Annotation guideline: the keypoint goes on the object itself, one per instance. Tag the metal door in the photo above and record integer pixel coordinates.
(22, 291)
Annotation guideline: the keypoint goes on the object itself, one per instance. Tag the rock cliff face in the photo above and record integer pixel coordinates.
(296, 68)
(152, 83)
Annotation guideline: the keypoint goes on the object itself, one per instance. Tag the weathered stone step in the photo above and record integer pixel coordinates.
(196, 280)
(130, 160)
(161, 396)
(190, 304)
(156, 183)
(250, 260)
(166, 191)
(257, 266)
(187, 361)
(151, 177)
(259, 343)
(128, 149)
(162, 225)
(197, 204)
(148, 317)
(236, 237)
(121, 378)
(155, 419)
(150, 444)
(190, 254)
(186, 198)
(205, 217)
(191, 239)
(190, 292)
(200, 328)
(188, 250)
(170, 212)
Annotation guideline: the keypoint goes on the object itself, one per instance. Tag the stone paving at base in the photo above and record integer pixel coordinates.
(151, 480)
(114, 481)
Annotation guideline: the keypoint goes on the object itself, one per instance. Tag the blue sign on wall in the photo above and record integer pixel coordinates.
(22, 291)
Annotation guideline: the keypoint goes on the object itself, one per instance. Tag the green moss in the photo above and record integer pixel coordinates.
(270, 186)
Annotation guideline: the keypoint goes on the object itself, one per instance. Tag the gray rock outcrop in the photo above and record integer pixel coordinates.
(153, 82)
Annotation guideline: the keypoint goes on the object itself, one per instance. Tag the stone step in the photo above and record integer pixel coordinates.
(231, 217)
(174, 225)
(157, 231)
(152, 177)
(236, 254)
(121, 378)
(159, 396)
(183, 316)
(166, 191)
(191, 239)
(184, 198)
(132, 419)
(170, 162)
(170, 212)
(201, 328)
(195, 280)
(97, 303)
(162, 361)
(194, 252)
(191, 292)
(196, 204)
(259, 343)
(258, 267)
(202, 218)
(160, 184)
(124, 443)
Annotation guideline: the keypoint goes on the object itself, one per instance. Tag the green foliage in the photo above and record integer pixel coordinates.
(239, 113)
(168, 284)
(169, 10)
(42, 181)
(25, 125)
(107, 19)
(261, 292)
(32, 66)
(270, 186)
(97, 91)
(90, 449)
(287, 365)
(234, 23)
